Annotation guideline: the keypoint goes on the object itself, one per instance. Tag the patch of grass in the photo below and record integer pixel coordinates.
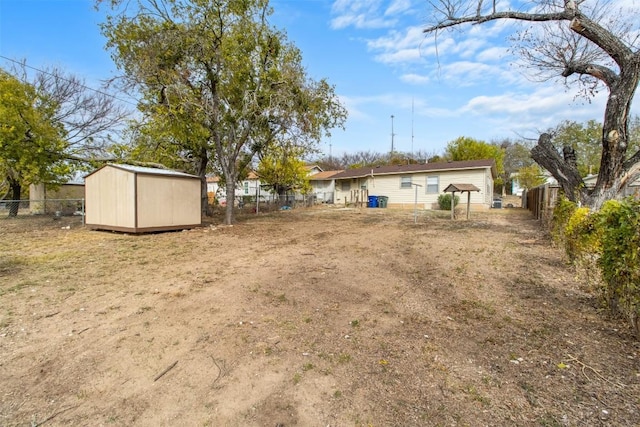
(344, 358)
(18, 287)
(297, 377)
(337, 394)
(476, 396)
(355, 323)
(307, 367)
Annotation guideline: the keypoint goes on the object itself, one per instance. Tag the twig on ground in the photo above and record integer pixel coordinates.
(51, 314)
(220, 370)
(170, 367)
(55, 414)
(598, 374)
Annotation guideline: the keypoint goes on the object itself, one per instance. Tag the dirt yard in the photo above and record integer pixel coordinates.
(321, 317)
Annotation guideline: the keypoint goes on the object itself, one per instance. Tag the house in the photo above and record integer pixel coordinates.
(138, 199)
(65, 198)
(632, 188)
(323, 185)
(248, 187)
(399, 183)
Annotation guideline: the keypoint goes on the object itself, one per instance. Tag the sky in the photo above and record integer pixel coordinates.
(375, 54)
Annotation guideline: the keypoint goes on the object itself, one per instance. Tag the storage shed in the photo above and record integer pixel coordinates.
(137, 199)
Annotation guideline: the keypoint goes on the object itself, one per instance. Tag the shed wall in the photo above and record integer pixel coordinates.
(110, 198)
(167, 201)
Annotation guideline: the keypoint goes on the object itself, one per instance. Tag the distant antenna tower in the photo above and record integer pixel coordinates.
(411, 127)
(392, 134)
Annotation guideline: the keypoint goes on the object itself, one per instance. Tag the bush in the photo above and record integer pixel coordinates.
(444, 201)
(607, 241)
(561, 213)
(619, 224)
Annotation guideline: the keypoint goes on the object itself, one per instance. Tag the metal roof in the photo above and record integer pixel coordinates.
(148, 171)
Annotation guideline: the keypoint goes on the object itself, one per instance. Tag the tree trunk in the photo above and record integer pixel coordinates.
(201, 170)
(566, 173)
(230, 177)
(15, 191)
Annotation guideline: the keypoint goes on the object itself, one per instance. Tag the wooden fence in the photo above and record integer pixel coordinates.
(541, 201)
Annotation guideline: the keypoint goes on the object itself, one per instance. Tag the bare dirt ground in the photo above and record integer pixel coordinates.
(319, 317)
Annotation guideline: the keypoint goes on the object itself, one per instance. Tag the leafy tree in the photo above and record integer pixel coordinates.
(283, 170)
(587, 43)
(464, 148)
(516, 156)
(31, 141)
(530, 176)
(220, 85)
(67, 125)
(585, 139)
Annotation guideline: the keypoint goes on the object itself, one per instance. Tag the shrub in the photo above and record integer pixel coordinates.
(619, 225)
(581, 234)
(444, 201)
(561, 213)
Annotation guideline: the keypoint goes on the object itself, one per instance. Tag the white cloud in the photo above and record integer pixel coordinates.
(415, 79)
(398, 6)
(361, 14)
(492, 54)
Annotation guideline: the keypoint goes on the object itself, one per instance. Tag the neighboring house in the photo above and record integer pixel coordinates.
(248, 187)
(399, 182)
(323, 185)
(313, 169)
(630, 189)
(50, 198)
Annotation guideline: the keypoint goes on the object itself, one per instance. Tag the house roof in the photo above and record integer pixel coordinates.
(326, 175)
(146, 171)
(425, 167)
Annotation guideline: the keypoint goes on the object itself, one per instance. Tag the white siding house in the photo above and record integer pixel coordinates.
(324, 186)
(399, 182)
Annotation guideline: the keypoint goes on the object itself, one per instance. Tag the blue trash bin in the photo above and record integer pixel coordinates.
(373, 202)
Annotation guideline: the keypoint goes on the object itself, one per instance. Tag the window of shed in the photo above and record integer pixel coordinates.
(345, 186)
(405, 182)
(432, 185)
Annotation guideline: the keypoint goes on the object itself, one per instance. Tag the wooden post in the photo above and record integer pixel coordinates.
(468, 203)
(453, 205)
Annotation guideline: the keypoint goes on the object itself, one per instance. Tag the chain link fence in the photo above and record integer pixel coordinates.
(56, 208)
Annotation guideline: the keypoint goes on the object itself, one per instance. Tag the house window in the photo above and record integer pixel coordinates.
(246, 187)
(405, 182)
(432, 185)
(345, 185)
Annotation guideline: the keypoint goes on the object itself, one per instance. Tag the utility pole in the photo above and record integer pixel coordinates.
(392, 134)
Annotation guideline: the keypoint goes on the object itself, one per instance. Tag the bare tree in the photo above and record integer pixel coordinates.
(91, 118)
(586, 43)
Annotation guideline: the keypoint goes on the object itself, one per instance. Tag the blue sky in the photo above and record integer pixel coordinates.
(375, 54)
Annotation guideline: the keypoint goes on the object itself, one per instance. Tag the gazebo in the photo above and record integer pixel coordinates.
(460, 188)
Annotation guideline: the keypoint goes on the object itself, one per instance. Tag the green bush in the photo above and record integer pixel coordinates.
(444, 201)
(609, 241)
(562, 211)
(619, 225)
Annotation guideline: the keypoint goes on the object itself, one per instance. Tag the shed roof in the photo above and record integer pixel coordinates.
(147, 171)
(460, 187)
(425, 167)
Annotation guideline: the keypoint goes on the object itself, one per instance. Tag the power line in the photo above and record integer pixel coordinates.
(22, 64)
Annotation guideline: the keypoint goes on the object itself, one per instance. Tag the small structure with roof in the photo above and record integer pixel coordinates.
(460, 188)
(138, 199)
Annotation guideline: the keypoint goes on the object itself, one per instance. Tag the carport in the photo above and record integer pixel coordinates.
(460, 188)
